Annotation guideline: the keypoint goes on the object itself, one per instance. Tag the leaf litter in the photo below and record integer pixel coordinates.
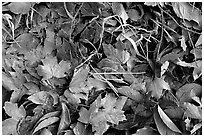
(105, 68)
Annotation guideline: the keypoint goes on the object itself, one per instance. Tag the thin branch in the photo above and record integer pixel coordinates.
(68, 14)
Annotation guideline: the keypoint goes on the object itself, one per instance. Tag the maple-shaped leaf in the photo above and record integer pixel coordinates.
(14, 111)
(103, 110)
(51, 68)
(157, 86)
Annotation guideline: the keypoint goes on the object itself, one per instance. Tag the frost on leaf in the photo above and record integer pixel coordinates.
(103, 110)
(51, 68)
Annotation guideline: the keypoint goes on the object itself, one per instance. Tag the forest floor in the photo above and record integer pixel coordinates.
(81, 68)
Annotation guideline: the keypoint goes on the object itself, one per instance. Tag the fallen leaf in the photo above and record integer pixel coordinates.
(186, 11)
(164, 124)
(65, 118)
(14, 111)
(157, 86)
(186, 92)
(174, 112)
(46, 123)
(20, 7)
(197, 52)
(84, 115)
(9, 126)
(146, 131)
(79, 129)
(129, 92)
(39, 97)
(134, 14)
(107, 109)
(51, 68)
(45, 131)
(48, 115)
(8, 83)
(197, 72)
(119, 10)
(192, 111)
(116, 55)
(26, 42)
(78, 78)
(199, 41)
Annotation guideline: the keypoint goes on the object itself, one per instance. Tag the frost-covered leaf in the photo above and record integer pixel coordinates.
(164, 124)
(9, 126)
(51, 68)
(20, 7)
(186, 92)
(157, 86)
(14, 111)
(65, 118)
(119, 10)
(186, 11)
(46, 123)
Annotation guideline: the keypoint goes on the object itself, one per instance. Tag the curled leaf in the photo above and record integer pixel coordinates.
(65, 118)
(164, 124)
(46, 123)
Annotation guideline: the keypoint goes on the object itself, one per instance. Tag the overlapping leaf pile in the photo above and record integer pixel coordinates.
(101, 68)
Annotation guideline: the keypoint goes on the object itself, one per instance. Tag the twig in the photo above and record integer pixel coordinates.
(65, 7)
(105, 80)
(157, 49)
